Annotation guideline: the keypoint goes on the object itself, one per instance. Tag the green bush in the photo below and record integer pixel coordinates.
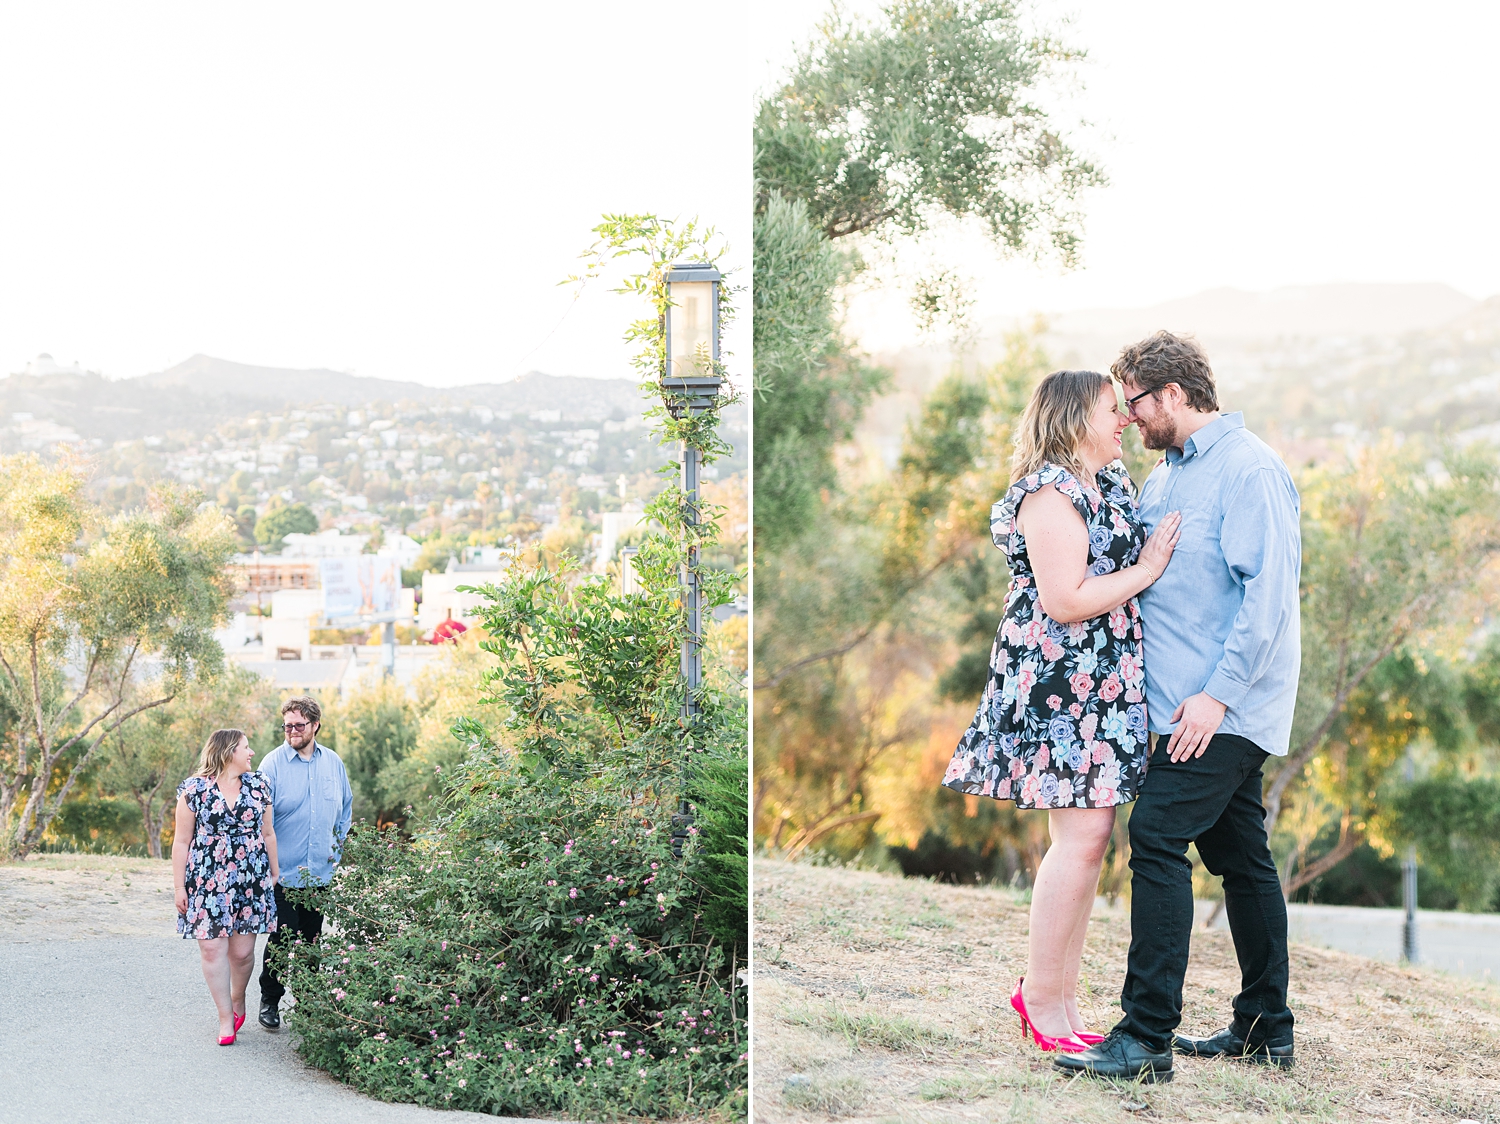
(540, 947)
(1455, 823)
(545, 951)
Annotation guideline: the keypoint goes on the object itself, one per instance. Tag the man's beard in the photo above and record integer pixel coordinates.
(1158, 435)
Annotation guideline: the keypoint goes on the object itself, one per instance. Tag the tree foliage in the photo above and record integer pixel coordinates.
(877, 131)
(374, 729)
(1455, 823)
(84, 609)
(145, 759)
(929, 111)
(863, 619)
(272, 528)
(810, 390)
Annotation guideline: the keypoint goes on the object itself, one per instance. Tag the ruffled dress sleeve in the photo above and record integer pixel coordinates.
(1003, 514)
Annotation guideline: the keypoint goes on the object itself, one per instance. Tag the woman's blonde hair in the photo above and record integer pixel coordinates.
(217, 751)
(1055, 423)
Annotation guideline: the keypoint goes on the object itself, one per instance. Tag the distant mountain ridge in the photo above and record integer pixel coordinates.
(207, 377)
(1299, 311)
(202, 391)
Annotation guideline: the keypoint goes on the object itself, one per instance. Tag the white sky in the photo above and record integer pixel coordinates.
(389, 189)
(1251, 145)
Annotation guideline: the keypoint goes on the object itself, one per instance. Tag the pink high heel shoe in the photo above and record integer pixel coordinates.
(239, 1020)
(1088, 1037)
(228, 1039)
(1043, 1041)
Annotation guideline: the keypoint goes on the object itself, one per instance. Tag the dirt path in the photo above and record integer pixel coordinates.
(104, 1015)
(881, 998)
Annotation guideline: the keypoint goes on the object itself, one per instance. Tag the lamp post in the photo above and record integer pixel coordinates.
(690, 385)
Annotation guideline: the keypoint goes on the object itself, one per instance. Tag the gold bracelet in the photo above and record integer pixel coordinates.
(1150, 571)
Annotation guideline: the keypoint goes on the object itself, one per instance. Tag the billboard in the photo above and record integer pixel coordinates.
(360, 585)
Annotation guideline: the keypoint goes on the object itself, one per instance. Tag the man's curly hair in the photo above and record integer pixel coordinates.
(1163, 358)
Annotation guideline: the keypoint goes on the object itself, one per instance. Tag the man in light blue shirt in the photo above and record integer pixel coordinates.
(314, 804)
(1222, 656)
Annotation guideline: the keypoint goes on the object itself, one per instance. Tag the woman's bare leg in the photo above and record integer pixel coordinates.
(241, 961)
(215, 954)
(1074, 960)
(1061, 901)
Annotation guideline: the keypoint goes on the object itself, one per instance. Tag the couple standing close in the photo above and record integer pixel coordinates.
(227, 856)
(1176, 616)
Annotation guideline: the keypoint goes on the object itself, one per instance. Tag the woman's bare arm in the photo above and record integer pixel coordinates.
(1057, 542)
(268, 834)
(182, 839)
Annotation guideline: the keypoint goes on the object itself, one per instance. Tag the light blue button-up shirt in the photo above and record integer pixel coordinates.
(312, 805)
(1225, 615)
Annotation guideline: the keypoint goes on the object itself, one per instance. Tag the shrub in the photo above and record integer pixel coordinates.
(545, 951)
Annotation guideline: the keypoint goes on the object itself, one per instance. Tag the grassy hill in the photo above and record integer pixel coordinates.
(887, 999)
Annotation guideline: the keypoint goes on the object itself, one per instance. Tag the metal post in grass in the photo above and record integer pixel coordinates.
(690, 386)
(1409, 950)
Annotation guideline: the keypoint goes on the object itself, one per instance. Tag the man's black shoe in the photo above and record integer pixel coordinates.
(1122, 1056)
(1227, 1044)
(270, 1017)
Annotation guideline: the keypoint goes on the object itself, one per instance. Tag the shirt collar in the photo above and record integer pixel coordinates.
(1205, 438)
(317, 749)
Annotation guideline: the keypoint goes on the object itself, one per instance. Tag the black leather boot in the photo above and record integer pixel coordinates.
(270, 1017)
(1227, 1044)
(1122, 1056)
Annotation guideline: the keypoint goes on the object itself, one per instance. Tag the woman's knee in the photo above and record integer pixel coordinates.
(1084, 832)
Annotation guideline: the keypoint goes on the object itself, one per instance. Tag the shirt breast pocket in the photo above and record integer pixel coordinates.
(1199, 532)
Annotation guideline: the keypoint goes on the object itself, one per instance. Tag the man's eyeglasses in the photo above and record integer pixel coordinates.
(295, 727)
(1128, 407)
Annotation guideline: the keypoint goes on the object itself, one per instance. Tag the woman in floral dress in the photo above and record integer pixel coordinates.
(1062, 723)
(224, 864)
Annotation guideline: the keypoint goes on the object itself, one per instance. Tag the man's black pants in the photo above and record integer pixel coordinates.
(292, 921)
(1215, 802)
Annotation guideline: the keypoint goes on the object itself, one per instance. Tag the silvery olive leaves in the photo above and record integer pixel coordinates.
(1062, 722)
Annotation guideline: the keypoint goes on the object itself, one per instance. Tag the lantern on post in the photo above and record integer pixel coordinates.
(690, 385)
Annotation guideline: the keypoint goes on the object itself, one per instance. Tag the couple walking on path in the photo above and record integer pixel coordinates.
(236, 830)
(1172, 617)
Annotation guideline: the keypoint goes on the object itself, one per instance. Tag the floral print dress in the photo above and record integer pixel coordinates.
(228, 877)
(1062, 723)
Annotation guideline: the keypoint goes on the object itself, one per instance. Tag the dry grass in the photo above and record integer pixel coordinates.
(886, 999)
(75, 897)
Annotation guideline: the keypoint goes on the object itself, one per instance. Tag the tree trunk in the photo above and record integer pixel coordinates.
(1350, 838)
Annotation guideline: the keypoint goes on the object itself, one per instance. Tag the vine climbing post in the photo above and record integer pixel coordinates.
(690, 387)
(682, 371)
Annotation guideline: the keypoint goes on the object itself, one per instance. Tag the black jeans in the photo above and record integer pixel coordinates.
(1213, 801)
(292, 921)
